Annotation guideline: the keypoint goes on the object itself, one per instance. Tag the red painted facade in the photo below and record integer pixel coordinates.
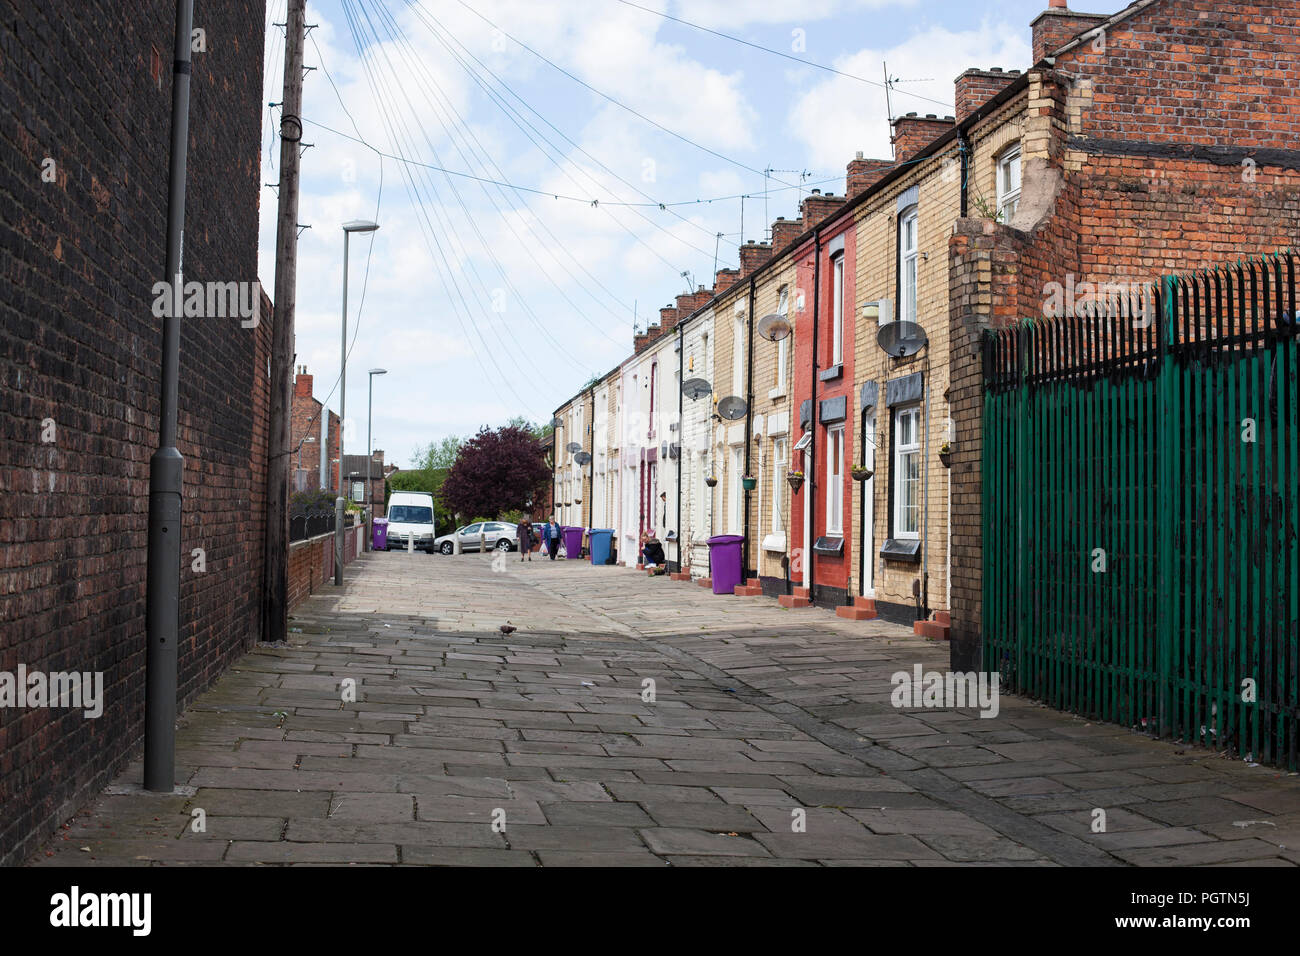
(831, 379)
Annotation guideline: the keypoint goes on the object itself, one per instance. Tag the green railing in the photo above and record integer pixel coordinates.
(1140, 502)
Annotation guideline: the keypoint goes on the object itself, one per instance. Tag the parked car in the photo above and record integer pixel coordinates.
(410, 515)
(495, 534)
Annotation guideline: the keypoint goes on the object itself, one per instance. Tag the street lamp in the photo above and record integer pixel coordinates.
(356, 225)
(370, 452)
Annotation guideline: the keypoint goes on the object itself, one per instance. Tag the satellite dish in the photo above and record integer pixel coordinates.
(572, 447)
(694, 388)
(774, 327)
(555, 422)
(582, 457)
(732, 407)
(901, 339)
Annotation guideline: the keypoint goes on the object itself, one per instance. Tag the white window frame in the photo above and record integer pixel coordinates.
(738, 353)
(837, 310)
(779, 466)
(1008, 182)
(908, 265)
(783, 346)
(736, 507)
(903, 450)
(835, 480)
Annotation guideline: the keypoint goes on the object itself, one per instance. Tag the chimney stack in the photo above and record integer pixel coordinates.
(864, 173)
(816, 208)
(752, 256)
(784, 232)
(724, 280)
(975, 87)
(302, 383)
(912, 133)
(1056, 26)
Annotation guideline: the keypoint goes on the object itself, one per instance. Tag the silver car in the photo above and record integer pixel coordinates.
(498, 535)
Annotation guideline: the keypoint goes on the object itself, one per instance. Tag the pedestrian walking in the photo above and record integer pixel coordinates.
(552, 538)
(525, 535)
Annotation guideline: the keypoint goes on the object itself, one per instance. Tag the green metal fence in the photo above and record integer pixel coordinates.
(1140, 499)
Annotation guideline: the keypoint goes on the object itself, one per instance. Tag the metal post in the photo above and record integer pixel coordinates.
(343, 406)
(166, 468)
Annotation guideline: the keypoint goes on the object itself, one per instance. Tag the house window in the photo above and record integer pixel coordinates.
(734, 516)
(837, 312)
(1008, 183)
(783, 346)
(907, 266)
(738, 355)
(835, 480)
(778, 485)
(907, 472)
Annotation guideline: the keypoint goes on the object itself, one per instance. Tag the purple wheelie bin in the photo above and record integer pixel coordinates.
(572, 543)
(724, 562)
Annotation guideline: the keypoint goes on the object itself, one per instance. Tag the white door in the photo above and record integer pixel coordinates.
(869, 508)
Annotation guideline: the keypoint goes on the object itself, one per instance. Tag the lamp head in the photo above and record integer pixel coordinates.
(360, 225)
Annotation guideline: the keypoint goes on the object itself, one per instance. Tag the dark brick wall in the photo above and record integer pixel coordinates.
(79, 345)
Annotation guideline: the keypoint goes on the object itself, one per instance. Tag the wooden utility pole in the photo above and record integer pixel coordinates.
(275, 581)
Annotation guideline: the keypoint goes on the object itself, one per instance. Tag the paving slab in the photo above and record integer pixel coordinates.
(771, 740)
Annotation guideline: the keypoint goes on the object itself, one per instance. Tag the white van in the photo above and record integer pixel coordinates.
(410, 515)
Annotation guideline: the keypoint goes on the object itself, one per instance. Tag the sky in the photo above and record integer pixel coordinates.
(516, 154)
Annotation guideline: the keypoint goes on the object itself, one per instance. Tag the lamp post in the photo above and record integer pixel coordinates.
(370, 452)
(357, 225)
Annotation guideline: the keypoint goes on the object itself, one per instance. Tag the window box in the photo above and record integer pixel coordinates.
(829, 544)
(896, 549)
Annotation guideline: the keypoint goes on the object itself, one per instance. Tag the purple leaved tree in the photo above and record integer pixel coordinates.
(496, 471)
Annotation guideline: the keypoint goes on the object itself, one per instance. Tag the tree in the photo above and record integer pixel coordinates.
(439, 454)
(496, 471)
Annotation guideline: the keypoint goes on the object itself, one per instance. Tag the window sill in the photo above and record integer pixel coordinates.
(830, 374)
(902, 549)
(774, 542)
(829, 545)
(776, 394)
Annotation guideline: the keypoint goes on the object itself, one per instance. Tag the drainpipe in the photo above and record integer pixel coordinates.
(681, 437)
(964, 148)
(588, 498)
(749, 425)
(811, 454)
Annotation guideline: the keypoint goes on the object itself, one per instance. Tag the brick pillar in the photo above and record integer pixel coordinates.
(983, 293)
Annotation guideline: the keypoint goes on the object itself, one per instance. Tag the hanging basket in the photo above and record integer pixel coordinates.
(748, 482)
(710, 481)
(795, 481)
(862, 474)
(945, 457)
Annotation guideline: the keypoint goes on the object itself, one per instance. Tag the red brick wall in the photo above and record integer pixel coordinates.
(79, 345)
(311, 563)
(1175, 144)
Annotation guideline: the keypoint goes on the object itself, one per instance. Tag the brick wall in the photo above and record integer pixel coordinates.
(80, 347)
(1168, 147)
(311, 562)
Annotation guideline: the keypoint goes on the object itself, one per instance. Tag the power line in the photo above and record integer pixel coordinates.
(616, 102)
(788, 56)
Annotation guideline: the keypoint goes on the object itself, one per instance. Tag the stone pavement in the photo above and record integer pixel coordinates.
(468, 746)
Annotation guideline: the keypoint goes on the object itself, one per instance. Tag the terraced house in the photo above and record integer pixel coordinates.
(1103, 163)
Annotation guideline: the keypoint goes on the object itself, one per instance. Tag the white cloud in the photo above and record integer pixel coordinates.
(840, 116)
